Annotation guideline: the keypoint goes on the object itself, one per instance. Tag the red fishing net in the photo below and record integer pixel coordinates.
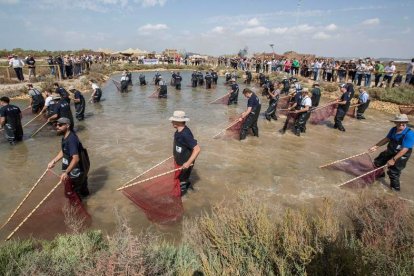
(321, 114)
(357, 166)
(283, 102)
(27, 112)
(407, 109)
(157, 192)
(222, 100)
(352, 111)
(232, 131)
(56, 214)
(154, 94)
(290, 122)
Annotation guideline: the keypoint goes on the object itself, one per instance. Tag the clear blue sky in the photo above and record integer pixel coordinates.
(375, 28)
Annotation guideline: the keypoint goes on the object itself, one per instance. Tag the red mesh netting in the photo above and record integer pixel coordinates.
(407, 109)
(222, 100)
(357, 166)
(232, 131)
(352, 111)
(321, 114)
(290, 121)
(160, 197)
(154, 94)
(55, 215)
(283, 102)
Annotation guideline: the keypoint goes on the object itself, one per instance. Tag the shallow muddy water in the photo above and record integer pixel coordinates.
(128, 133)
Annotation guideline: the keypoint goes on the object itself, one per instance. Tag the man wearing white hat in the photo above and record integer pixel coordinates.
(400, 141)
(185, 150)
(303, 112)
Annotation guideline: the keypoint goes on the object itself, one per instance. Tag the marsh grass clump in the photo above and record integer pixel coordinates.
(403, 94)
(371, 236)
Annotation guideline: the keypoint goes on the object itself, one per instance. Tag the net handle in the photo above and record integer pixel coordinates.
(31, 213)
(24, 199)
(152, 177)
(320, 107)
(337, 161)
(229, 126)
(220, 98)
(37, 131)
(32, 119)
(153, 93)
(355, 178)
(153, 167)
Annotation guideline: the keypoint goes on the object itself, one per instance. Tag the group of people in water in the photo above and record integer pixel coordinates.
(302, 101)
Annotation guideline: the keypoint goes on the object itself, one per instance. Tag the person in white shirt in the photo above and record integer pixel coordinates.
(303, 112)
(97, 92)
(17, 65)
(389, 72)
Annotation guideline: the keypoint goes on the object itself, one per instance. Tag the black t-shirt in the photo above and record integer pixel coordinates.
(62, 92)
(62, 109)
(78, 96)
(184, 144)
(70, 146)
(234, 87)
(253, 102)
(11, 113)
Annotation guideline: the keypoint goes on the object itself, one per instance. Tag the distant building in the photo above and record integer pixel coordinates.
(170, 53)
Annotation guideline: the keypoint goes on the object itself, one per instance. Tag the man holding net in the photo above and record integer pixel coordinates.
(185, 150)
(250, 116)
(302, 111)
(343, 105)
(75, 162)
(400, 141)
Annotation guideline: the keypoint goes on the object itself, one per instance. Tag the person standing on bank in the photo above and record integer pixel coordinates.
(75, 162)
(251, 114)
(37, 101)
(185, 150)
(343, 105)
(17, 65)
(303, 112)
(10, 121)
(97, 92)
(400, 141)
(363, 102)
(79, 101)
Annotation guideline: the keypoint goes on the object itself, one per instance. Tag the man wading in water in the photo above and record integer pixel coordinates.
(185, 150)
(10, 120)
(75, 162)
(79, 101)
(251, 114)
(400, 141)
(37, 101)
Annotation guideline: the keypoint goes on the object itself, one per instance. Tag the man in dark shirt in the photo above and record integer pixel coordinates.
(234, 96)
(177, 81)
(343, 105)
(142, 80)
(79, 101)
(62, 110)
(75, 162)
(62, 92)
(209, 80)
(10, 120)
(251, 114)
(30, 61)
(214, 76)
(316, 94)
(194, 79)
(185, 150)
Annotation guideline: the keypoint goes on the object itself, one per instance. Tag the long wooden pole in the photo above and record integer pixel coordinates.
(337, 161)
(31, 213)
(220, 98)
(229, 126)
(150, 178)
(365, 174)
(24, 199)
(32, 119)
(146, 171)
(37, 131)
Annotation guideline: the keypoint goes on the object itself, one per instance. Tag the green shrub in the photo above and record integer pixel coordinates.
(12, 255)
